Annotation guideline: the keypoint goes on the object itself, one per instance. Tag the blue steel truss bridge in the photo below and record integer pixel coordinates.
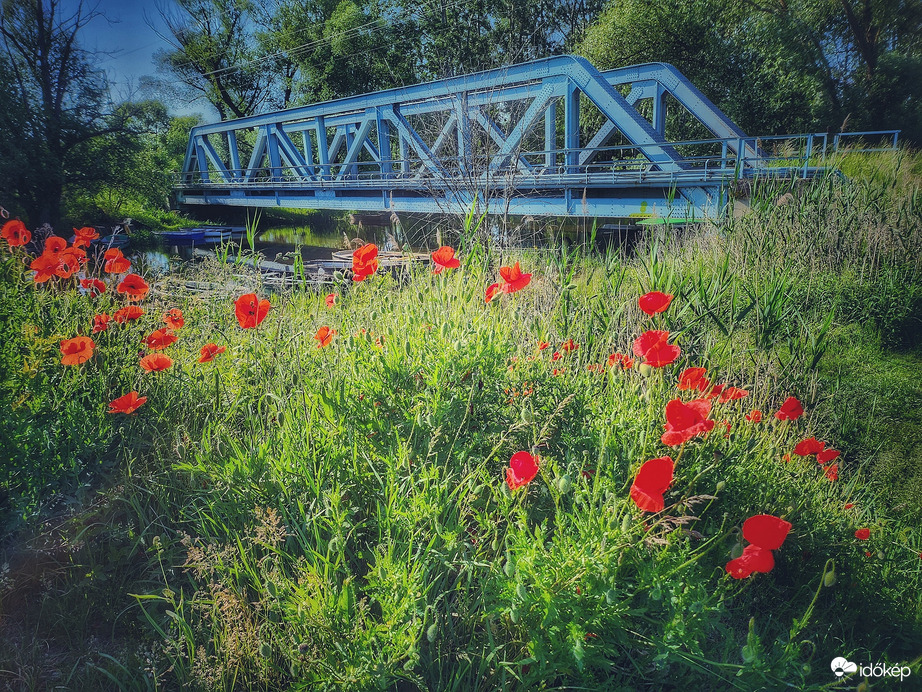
(549, 137)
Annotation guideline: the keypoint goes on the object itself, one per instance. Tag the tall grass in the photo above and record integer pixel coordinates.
(294, 517)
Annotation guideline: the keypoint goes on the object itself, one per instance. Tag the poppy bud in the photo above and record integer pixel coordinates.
(431, 632)
(646, 370)
(563, 484)
(527, 416)
(338, 276)
(806, 668)
(521, 591)
(273, 591)
(374, 315)
(265, 650)
(495, 544)
(626, 523)
(736, 551)
(611, 596)
(830, 578)
(514, 615)
(721, 485)
(509, 568)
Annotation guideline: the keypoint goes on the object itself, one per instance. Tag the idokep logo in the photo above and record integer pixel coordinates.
(841, 666)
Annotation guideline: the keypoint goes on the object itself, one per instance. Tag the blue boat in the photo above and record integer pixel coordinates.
(182, 236)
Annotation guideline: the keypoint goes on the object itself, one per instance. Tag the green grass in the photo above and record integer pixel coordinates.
(289, 517)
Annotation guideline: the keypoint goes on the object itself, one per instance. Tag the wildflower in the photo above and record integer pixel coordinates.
(809, 446)
(493, 290)
(444, 258)
(693, 378)
(116, 262)
(156, 362)
(655, 302)
(161, 338)
(523, 468)
(626, 362)
(68, 263)
(128, 403)
(831, 472)
(652, 347)
(331, 300)
(54, 245)
(543, 345)
(250, 310)
(324, 336)
(732, 394)
(765, 533)
(557, 355)
(101, 323)
(652, 480)
(134, 287)
(77, 350)
(685, 421)
(45, 267)
(84, 236)
(863, 534)
(209, 351)
(790, 410)
(849, 505)
(94, 287)
(827, 455)
(15, 233)
(754, 416)
(364, 262)
(569, 346)
(174, 319)
(513, 278)
(129, 312)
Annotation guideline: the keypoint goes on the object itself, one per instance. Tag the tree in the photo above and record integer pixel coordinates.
(58, 104)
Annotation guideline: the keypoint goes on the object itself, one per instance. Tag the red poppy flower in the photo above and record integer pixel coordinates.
(209, 351)
(324, 336)
(15, 233)
(174, 319)
(543, 345)
(84, 236)
(250, 310)
(693, 378)
(626, 361)
(513, 278)
(809, 446)
(129, 403)
(832, 472)
(652, 347)
(134, 286)
(156, 362)
(161, 338)
(129, 312)
(364, 262)
(863, 534)
(655, 302)
(444, 258)
(569, 346)
(754, 416)
(68, 263)
(54, 245)
(849, 505)
(77, 350)
(685, 421)
(493, 290)
(766, 533)
(790, 410)
(753, 559)
(116, 262)
(523, 468)
(331, 300)
(826, 455)
(732, 394)
(652, 480)
(45, 267)
(557, 355)
(94, 287)
(101, 323)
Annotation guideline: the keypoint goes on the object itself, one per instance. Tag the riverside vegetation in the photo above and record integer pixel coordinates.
(404, 485)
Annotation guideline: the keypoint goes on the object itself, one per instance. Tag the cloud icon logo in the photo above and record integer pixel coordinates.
(841, 666)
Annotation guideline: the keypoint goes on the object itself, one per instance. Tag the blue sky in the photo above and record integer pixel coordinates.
(123, 31)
